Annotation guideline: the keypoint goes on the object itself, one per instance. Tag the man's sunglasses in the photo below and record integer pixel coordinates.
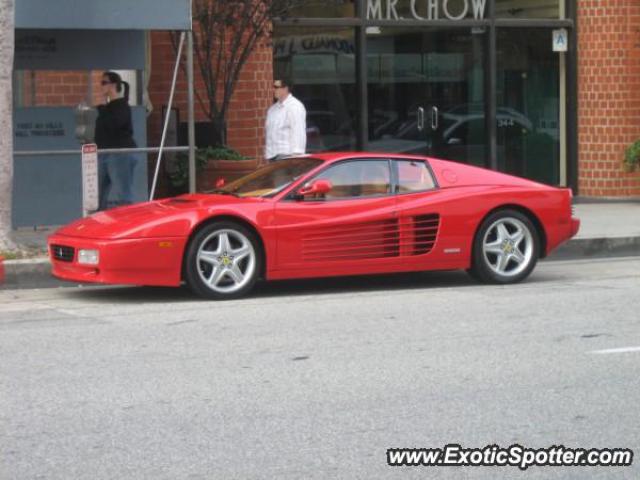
(105, 82)
(279, 86)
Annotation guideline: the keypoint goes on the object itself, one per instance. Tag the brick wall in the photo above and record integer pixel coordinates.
(252, 97)
(59, 88)
(246, 116)
(609, 95)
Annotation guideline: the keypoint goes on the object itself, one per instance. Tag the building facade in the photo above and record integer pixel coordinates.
(544, 89)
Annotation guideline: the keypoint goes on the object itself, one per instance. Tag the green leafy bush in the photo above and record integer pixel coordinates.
(632, 156)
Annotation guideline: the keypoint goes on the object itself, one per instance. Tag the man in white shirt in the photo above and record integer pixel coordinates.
(286, 125)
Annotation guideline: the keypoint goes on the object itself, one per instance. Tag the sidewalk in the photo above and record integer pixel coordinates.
(608, 229)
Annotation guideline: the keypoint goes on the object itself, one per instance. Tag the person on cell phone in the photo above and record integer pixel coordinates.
(114, 129)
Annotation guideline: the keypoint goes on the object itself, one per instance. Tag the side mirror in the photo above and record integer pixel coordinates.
(220, 181)
(454, 141)
(316, 187)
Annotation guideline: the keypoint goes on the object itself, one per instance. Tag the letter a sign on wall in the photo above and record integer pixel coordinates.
(560, 40)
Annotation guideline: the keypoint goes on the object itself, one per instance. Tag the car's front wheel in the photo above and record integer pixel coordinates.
(223, 261)
(506, 248)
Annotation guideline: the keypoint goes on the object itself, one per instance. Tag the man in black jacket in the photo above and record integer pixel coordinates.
(114, 129)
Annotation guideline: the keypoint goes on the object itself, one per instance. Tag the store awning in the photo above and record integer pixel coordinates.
(104, 14)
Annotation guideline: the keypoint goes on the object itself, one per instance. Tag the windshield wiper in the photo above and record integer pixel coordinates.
(219, 191)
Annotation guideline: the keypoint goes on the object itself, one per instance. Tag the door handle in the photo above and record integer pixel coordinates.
(435, 118)
(420, 119)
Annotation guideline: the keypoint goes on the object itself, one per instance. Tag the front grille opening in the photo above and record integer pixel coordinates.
(62, 253)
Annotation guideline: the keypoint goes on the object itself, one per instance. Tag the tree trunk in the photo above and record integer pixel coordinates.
(7, 39)
(218, 133)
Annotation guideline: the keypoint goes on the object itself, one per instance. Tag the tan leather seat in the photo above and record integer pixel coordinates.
(375, 180)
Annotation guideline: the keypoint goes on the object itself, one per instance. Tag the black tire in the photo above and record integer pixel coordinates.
(486, 264)
(196, 270)
(472, 273)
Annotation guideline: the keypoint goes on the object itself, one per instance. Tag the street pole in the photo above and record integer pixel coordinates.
(166, 119)
(191, 114)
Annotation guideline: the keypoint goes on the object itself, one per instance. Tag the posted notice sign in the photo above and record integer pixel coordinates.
(561, 40)
(89, 178)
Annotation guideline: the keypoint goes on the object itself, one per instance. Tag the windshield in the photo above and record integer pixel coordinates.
(271, 179)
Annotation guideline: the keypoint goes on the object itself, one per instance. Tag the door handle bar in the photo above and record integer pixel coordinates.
(420, 119)
(434, 118)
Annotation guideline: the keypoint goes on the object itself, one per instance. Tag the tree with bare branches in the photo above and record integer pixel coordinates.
(7, 39)
(226, 32)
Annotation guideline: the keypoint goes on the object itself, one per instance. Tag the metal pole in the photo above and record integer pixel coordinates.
(166, 119)
(362, 140)
(491, 76)
(191, 114)
(117, 151)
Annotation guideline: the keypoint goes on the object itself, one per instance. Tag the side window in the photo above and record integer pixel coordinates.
(357, 178)
(413, 176)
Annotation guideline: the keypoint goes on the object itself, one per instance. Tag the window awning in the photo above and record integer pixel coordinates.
(104, 14)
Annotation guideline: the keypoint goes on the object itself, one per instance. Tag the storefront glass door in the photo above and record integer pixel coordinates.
(426, 92)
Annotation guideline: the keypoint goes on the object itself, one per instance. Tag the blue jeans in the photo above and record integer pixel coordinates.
(115, 177)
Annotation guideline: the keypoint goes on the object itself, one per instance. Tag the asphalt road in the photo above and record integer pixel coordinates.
(317, 379)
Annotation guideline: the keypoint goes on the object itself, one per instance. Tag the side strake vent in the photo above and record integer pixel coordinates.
(352, 242)
(382, 239)
(425, 232)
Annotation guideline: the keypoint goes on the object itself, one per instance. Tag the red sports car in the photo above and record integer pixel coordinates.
(320, 216)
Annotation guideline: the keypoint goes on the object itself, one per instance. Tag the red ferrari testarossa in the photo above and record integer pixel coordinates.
(319, 216)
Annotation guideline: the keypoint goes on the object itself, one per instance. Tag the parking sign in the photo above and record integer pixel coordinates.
(89, 178)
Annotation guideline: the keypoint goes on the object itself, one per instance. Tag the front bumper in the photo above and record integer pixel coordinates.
(142, 261)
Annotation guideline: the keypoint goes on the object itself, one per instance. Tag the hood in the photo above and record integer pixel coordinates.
(166, 217)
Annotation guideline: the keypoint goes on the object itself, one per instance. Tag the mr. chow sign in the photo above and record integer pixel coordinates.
(426, 9)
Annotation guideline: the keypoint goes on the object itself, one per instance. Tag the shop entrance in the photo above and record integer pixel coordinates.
(426, 92)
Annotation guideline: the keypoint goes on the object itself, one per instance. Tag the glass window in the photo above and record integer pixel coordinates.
(426, 92)
(358, 178)
(271, 179)
(528, 9)
(528, 98)
(324, 9)
(413, 176)
(320, 64)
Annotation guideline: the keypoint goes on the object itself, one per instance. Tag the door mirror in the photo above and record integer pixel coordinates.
(454, 141)
(220, 181)
(315, 187)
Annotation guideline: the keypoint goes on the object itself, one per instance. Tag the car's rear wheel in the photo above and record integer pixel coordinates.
(223, 261)
(506, 248)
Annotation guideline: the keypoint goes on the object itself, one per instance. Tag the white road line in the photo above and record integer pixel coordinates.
(616, 350)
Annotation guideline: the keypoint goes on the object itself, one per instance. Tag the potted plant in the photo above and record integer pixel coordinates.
(632, 157)
(223, 162)
(212, 163)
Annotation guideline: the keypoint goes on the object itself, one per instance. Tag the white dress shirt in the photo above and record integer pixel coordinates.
(286, 128)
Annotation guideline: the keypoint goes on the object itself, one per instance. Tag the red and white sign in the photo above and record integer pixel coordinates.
(89, 178)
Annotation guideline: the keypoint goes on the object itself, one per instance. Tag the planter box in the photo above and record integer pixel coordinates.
(230, 170)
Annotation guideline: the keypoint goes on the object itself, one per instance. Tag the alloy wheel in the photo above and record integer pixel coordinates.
(226, 261)
(508, 247)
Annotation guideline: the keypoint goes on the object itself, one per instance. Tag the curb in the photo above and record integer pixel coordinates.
(30, 273)
(36, 273)
(585, 248)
